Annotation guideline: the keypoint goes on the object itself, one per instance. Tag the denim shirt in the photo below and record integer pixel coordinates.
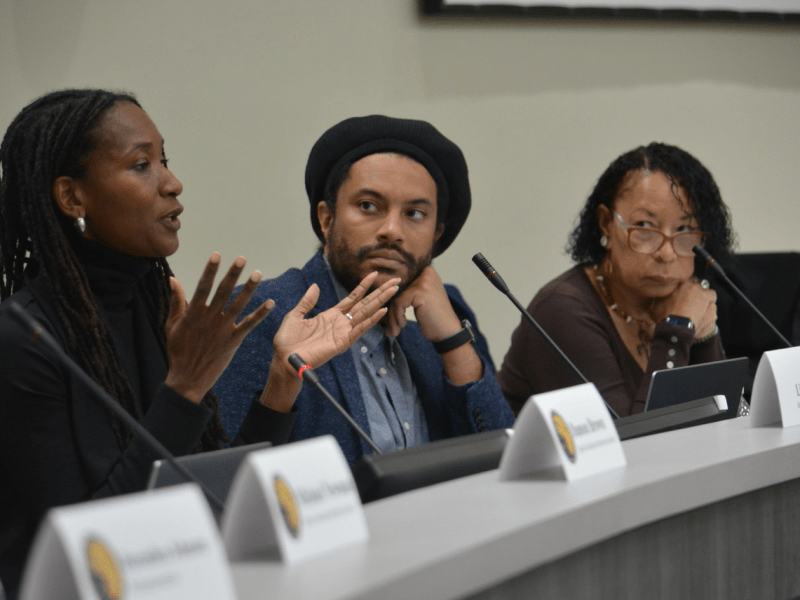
(395, 414)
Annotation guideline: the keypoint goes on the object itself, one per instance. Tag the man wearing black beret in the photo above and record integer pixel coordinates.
(386, 195)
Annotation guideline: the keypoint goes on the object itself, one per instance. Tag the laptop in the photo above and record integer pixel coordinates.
(682, 384)
(216, 469)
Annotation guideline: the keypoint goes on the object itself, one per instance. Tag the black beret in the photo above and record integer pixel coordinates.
(355, 138)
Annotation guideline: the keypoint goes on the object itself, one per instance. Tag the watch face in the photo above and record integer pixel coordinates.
(678, 321)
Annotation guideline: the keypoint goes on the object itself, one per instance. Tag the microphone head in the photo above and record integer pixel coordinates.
(296, 362)
(702, 253)
(490, 273)
(483, 264)
(710, 263)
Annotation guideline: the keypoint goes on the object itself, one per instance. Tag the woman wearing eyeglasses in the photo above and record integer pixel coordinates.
(633, 303)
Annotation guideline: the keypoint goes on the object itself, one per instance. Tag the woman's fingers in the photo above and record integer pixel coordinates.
(177, 302)
(254, 318)
(248, 323)
(201, 338)
(228, 284)
(225, 289)
(239, 303)
(206, 283)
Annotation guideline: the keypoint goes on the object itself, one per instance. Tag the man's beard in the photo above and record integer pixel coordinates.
(346, 267)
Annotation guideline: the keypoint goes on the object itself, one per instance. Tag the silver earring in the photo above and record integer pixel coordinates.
(80, 225)
(604, 241)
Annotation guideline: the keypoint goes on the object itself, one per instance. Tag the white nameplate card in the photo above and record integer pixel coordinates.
(567, 430)
(776, 389)
(155, 545)
(299, 500)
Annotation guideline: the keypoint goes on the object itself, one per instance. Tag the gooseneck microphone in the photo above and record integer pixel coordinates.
(40, 333)
(306, 372)
(493, 276)
(498, 282)
(712, 264)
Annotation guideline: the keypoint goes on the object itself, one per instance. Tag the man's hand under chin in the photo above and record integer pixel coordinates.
(432, 309)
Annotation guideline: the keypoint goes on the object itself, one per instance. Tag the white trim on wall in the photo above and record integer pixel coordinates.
(777, 6)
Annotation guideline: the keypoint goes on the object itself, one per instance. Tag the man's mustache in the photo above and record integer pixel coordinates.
(407, 256)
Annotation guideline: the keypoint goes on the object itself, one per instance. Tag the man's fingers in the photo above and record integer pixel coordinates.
(364, 326)
(346, 304)
(362, 287)
(395, 319)
(308, 301)
(367, 306)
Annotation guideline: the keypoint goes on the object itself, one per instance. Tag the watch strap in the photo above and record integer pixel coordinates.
(457, 339)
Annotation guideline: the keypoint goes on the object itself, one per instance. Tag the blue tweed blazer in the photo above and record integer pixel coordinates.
(449, 410)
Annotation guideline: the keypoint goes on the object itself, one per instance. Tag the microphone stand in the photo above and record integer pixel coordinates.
(712, 264)
(307, 373)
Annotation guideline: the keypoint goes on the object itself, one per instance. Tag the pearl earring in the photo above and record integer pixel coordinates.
(80, 225)
(604, 241)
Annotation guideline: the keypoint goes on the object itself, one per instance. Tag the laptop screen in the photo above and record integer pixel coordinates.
(215, 469)
(682, 384)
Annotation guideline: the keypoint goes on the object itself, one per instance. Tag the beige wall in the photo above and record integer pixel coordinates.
(241, 90)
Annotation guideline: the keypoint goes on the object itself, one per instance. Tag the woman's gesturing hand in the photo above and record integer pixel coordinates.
(202, 338)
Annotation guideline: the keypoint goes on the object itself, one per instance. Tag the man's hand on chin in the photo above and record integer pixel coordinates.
(434, 313)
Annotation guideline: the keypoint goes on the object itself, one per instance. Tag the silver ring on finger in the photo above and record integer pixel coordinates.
(704, 284)
(349, 316)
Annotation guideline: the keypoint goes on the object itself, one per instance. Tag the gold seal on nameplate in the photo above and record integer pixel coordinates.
(564, 436)
(105, 573)
(289, 508)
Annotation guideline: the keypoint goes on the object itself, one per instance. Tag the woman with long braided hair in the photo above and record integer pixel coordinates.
(88, 214)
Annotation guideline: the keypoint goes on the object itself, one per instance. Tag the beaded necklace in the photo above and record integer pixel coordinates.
(645, 337)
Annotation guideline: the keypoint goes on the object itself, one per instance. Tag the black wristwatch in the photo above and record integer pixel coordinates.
(678, 321)
(457, 339)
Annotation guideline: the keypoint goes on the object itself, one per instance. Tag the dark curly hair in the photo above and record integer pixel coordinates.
(684, 171)
(50, 138)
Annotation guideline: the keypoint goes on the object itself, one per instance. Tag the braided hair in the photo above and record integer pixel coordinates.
(683, 170)
(51, 138)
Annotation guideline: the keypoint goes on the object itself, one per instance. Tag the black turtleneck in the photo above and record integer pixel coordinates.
(114, 279)
(112, 275)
